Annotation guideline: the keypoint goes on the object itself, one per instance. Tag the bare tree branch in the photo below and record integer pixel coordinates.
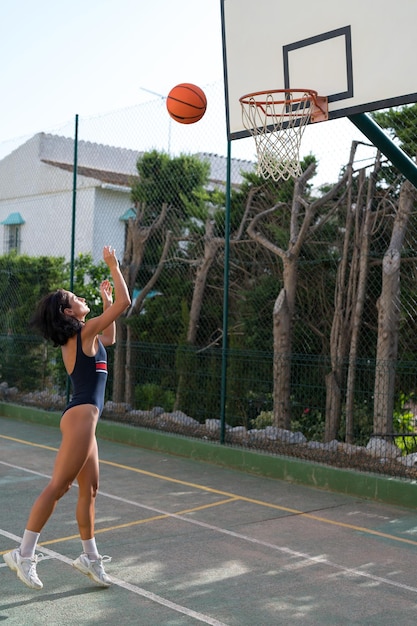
(134, 310)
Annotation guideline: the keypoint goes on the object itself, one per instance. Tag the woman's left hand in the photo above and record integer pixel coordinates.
(106, 291)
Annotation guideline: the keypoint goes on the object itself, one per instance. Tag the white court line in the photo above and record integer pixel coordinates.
(320, 560)
(129, 587)
(117, 581)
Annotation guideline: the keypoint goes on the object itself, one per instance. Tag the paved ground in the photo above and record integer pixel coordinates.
(195, 544)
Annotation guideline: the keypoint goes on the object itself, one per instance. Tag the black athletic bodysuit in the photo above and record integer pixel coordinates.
(89, 377)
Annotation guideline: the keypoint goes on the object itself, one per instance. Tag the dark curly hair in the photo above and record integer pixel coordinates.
(50, 320)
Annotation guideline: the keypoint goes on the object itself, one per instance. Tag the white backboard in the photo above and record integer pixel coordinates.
(361, 54)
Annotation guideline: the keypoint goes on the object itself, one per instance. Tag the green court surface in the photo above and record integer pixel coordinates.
(194, 543)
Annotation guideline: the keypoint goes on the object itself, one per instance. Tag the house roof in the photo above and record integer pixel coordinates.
(100, 157)
(105, 176)
(218, 167)
(117, 166)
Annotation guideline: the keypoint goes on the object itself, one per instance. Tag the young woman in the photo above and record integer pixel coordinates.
(60, 317)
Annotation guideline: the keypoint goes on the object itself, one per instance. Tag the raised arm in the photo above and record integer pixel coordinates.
(104, 323)
(108, 336)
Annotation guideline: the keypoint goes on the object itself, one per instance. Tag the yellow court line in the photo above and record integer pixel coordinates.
(236, 497)
(29, 443)
(267, 504)
(138, 522)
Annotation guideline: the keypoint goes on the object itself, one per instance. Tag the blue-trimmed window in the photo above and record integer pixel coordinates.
(12, 232)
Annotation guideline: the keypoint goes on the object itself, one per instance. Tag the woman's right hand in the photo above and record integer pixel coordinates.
(109, 257)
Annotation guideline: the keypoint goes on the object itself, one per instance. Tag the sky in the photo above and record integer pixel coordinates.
(94, 57)
(89, 57)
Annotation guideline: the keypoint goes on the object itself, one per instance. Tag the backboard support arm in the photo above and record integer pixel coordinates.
(376, 135)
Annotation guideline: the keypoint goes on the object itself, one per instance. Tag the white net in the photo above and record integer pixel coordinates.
(277, 121)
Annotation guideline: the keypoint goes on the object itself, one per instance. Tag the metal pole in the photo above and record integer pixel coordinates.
(74, 206)
(375, 134)
(74, 203)
(225, 298)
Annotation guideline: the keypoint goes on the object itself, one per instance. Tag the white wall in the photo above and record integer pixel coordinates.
(43, 195)
(108, 229)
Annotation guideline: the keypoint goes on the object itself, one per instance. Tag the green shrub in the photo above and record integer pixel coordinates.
(403, 422)
(149, 395)
(264, 419)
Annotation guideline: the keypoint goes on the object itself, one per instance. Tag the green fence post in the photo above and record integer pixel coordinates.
(74, 206)
(225, 299)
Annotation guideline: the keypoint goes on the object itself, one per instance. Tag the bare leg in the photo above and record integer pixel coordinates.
(89, 563)
(88, 484)
(78, 444)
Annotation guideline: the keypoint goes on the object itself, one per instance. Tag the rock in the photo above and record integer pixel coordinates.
(117, 407)
(238, 430)
(286, 436)
(157, 410)
(178, 417)
(410, 460)
(330, 446)
(214, 425)
(349, 448)
(379, 447)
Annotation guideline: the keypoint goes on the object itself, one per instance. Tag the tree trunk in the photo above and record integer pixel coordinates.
(211, 246)
(339, 335)
(138, 237)
(389, 317)
(333, 402)
(301, 223)
(119, 363)
(282, 361)
(362, 244)
(135, 309)
(130, 369)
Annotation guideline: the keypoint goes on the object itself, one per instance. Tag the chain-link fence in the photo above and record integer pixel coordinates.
(279, 317)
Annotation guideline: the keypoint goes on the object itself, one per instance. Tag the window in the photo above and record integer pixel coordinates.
(12, 232)
(12, 239)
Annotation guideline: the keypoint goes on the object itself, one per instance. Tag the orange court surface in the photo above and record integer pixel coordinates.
(193, 543)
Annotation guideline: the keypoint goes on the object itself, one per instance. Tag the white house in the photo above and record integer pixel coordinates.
(38, 201)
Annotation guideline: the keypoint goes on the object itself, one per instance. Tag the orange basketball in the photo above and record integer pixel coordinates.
(186, 103)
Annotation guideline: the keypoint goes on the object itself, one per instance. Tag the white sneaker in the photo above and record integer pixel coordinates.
(94, 569)
(25, 567)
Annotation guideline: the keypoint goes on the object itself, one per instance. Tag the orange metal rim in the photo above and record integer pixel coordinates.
(318, 111)
(250, 98)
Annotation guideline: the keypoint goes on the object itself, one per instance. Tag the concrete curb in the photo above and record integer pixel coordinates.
(401, 492)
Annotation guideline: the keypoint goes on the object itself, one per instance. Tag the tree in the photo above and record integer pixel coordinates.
(366, 217)
(345, 290)
(208, 238)
(302, 223)
(401, 124)
(160, 197)
(24, 281)
(389, 316)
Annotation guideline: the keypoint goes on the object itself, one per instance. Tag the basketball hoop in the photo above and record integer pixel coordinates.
(277, 119)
